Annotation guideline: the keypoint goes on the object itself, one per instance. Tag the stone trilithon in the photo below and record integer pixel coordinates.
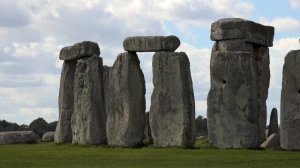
(240, 77)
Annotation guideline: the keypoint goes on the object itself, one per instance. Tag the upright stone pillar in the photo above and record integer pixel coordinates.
(126, 102)
(82, 116)
(147, 134)
(273, 125)
(172, 111)
(106, 71)
(63, 132)
(240, 77)
(89, 118)
(290, 102)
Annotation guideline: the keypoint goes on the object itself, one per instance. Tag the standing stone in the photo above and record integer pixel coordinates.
(172, 111)
(89, 117)
(273, 125)
(290, 102)
(63, 132)
(126, 102)
(232, 113)
(147, 134)
(237, 100)
(151, 43)
(106, 71)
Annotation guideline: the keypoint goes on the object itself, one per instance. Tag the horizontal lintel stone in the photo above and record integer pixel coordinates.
(79, 50)
(151, 43)
(235, 28)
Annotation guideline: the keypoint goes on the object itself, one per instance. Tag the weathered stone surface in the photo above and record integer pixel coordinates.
(233, 116)
(172, 111)
(79, 50)
(235, 28)
(147, 134)
(48, 137)
(262, 61)
(89, 117)
(18, 137)
(63, 132)
(273, 125)
(151, 43)
(290, 102)
(106, 71)
(273, 141)
(126, 102)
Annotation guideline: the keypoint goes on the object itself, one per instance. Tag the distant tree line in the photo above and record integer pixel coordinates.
(39, 126)
(201, 126)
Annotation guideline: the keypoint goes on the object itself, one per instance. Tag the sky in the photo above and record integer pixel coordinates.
(32, 32)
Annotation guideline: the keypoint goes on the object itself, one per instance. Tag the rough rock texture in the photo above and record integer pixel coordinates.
(172, 111)
(18, 137)
(89, 117)
(48, 137)
(63, 132)
(261, 62)
(232, 112)
(237, 98)
(290, 102)
(106, 71)
(147, 134)
(273, 141)
(235, 28)
(126, 102)
(151, 43)
(79, 50)
(273, 125)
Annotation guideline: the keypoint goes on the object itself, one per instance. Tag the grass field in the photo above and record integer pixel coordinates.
(51, 155)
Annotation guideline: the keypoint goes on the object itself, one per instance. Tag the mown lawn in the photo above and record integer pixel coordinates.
(51, 155)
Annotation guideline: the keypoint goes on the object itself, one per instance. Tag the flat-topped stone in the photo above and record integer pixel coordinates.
(151, 43)
(79, 50)
(236, 28)
(18, 137)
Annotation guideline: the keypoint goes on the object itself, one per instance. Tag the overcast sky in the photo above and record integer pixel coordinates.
(32, 32)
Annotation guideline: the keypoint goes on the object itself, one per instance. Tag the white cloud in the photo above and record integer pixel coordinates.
(49, 45)
(12, 14)
(295, 4)
(283, 24)
(18, 98)
(32, 113)
(201, 108)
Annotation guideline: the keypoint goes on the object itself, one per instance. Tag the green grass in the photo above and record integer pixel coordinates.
(51, 155)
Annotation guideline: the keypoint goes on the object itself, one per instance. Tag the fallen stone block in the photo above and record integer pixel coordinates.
(273, 141)
(18, 137)
(48, 137)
